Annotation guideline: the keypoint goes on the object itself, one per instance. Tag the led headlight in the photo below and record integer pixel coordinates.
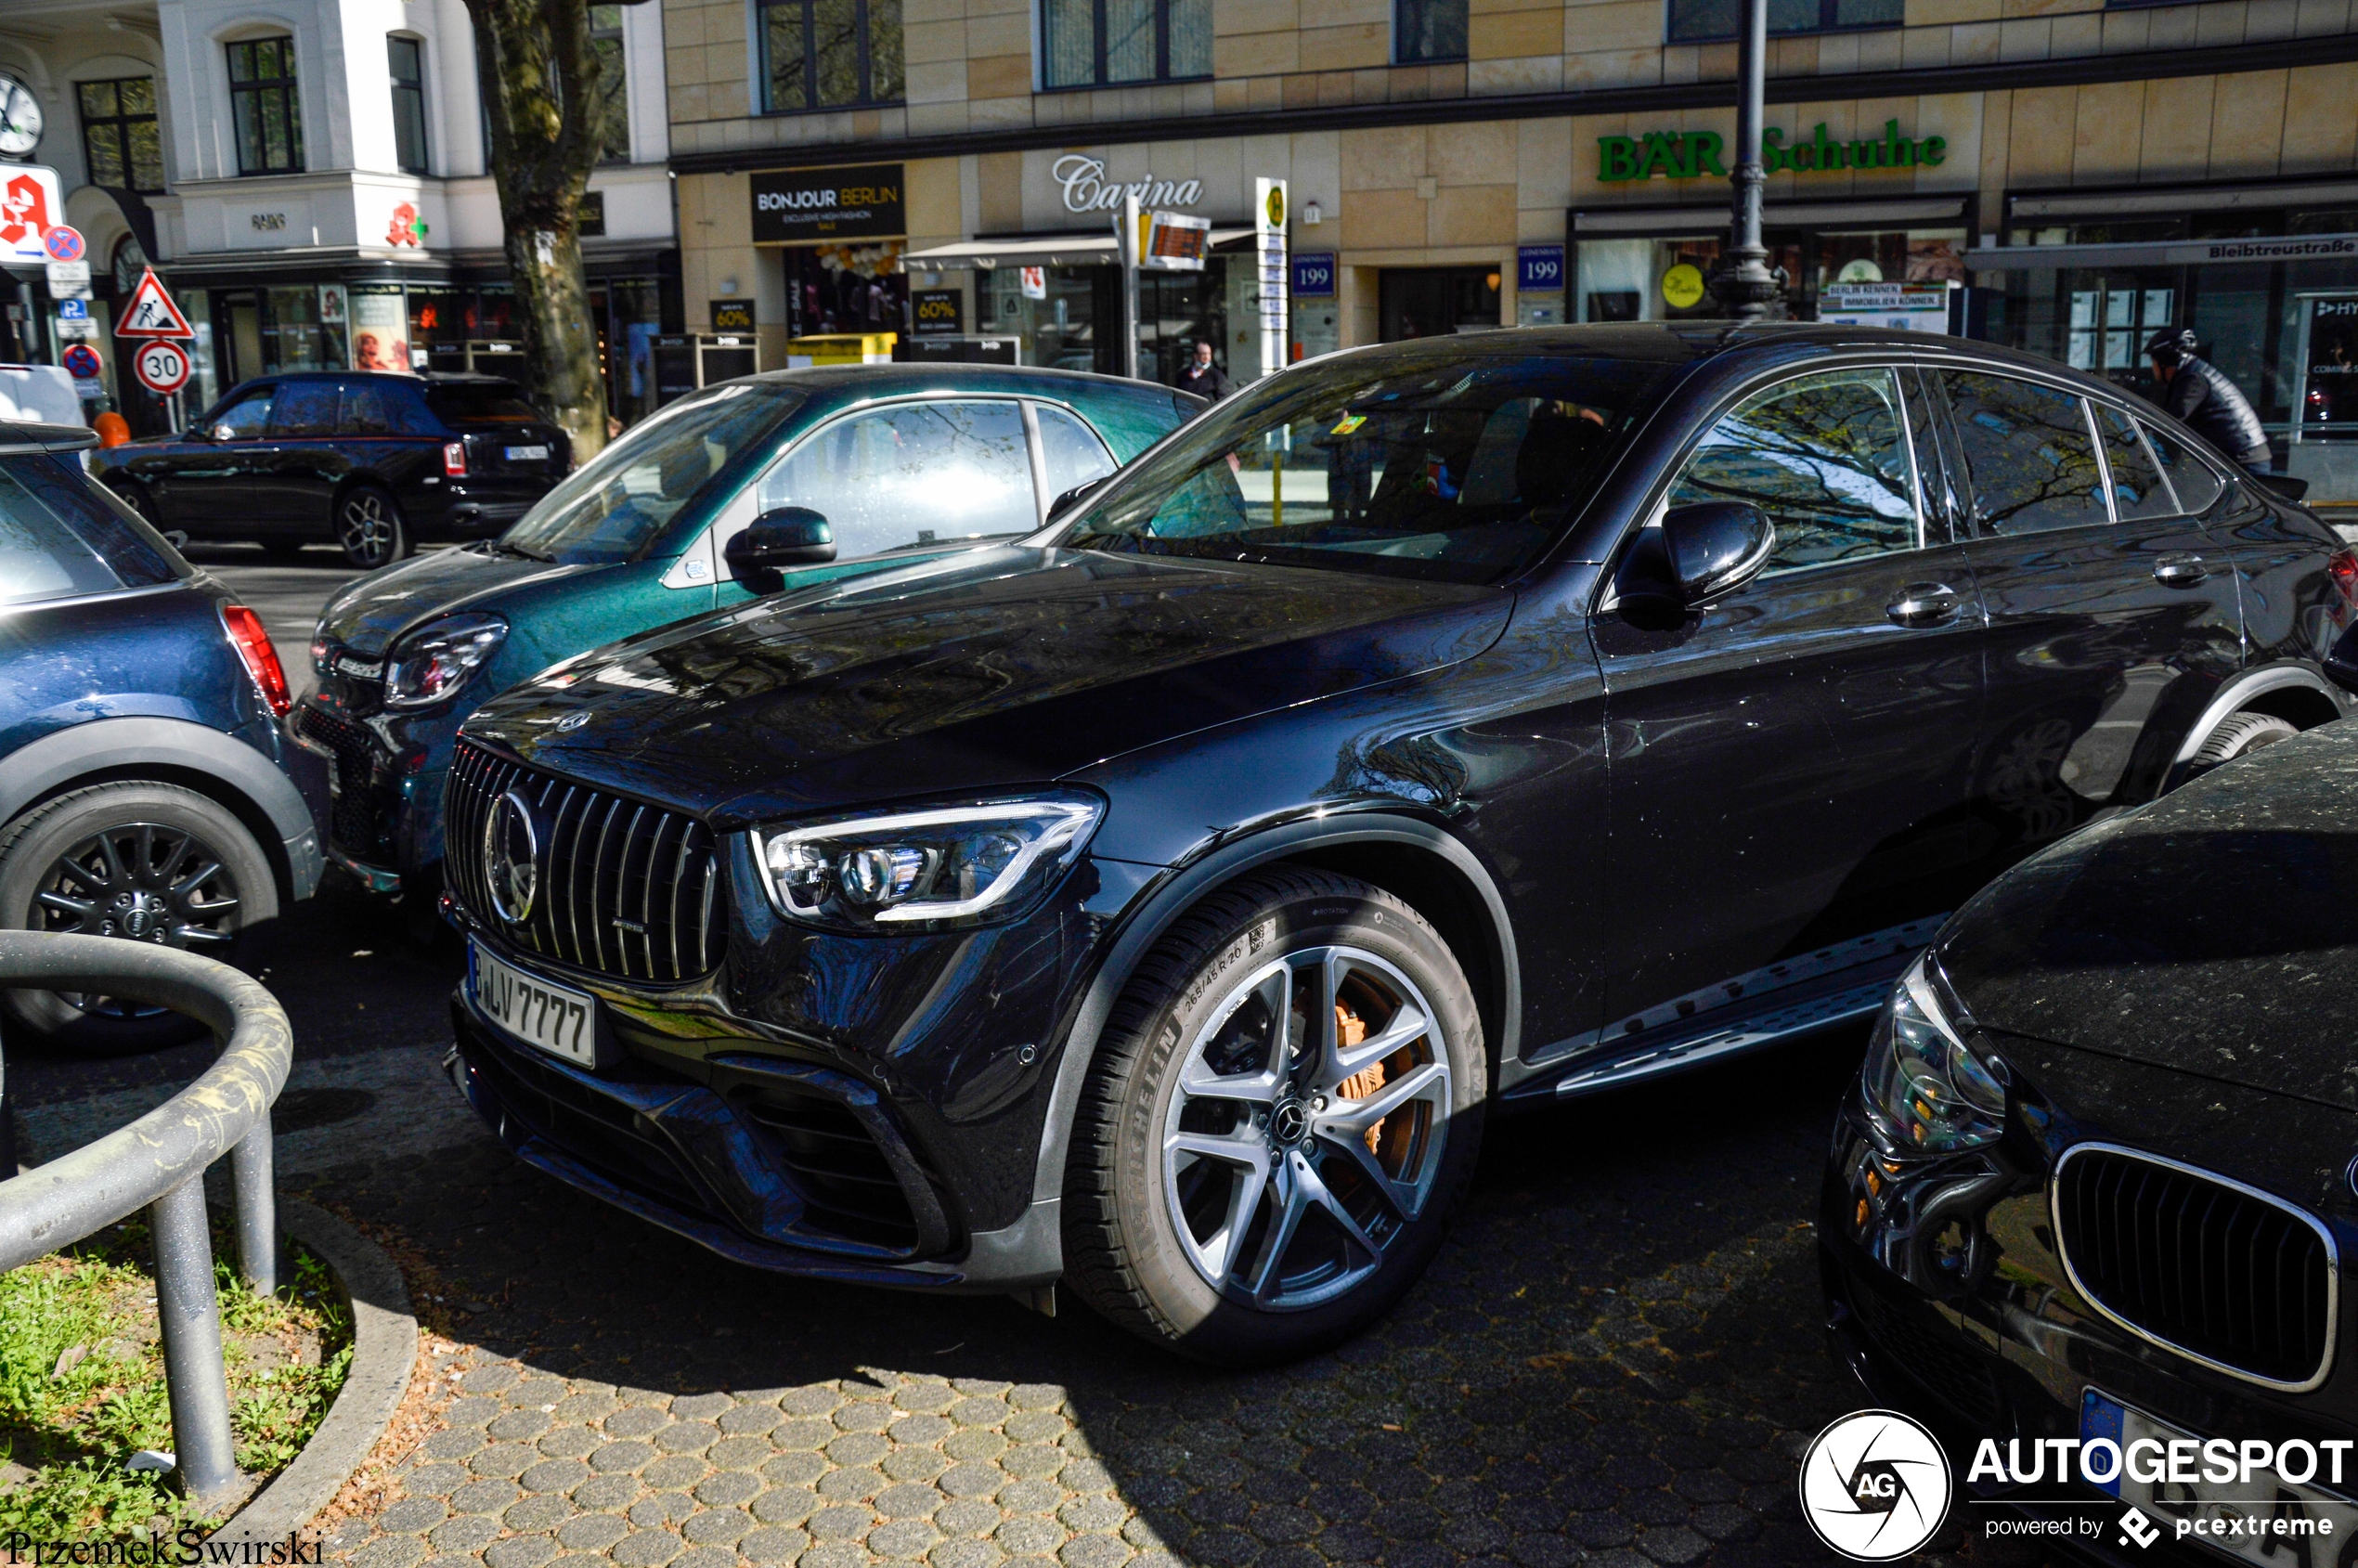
(1926, 1092)
(438, 658)
(990, 860)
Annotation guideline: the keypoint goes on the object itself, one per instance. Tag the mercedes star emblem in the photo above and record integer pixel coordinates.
(511, 857)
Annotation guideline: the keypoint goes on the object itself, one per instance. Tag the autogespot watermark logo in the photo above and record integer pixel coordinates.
(1875, 1485)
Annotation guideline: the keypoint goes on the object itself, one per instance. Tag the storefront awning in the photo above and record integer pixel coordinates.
(1664, 223)
(2166, 252)
(1056, 249)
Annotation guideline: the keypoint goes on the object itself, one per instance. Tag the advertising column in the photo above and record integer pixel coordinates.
(1269, 260)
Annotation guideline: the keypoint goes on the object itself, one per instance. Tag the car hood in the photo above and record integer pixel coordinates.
(975, 671)
(2213, 932)
(367, 615)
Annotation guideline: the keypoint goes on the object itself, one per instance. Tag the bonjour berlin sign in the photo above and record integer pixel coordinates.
(1686, 155)
(807, 206)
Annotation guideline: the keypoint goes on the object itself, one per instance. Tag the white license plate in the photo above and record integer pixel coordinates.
(2231, 1517)
(527, 454)
(558, 1019)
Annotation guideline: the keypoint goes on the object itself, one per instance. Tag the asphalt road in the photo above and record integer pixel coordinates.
(1617, 1358)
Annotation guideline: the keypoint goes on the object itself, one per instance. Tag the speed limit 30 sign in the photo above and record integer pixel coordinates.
(161, 367)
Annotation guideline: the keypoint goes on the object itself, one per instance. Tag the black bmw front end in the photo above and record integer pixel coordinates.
(2087, 1209)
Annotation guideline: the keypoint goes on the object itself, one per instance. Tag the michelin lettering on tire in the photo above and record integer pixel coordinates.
(1875, 1485)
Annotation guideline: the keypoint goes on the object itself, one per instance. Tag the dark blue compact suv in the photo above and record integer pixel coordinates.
(142, 791)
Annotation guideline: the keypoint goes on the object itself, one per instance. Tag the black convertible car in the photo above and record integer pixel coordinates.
(2097, 1177)
(1158, 903)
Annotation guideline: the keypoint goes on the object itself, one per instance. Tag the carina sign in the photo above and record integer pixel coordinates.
(1087, 189)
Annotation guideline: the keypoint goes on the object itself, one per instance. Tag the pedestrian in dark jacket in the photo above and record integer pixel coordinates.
(1203, 378)
(2198, 393)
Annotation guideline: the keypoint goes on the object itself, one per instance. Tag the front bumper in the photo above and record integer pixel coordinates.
(2005, 1349)
(374, 787)
(780, 1166)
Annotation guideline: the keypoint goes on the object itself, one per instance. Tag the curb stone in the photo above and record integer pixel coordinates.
(384, 1351)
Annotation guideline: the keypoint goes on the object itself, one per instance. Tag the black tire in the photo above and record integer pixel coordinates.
(370, 529)
(1193, 1004)
(182, 830)
(2241, 734)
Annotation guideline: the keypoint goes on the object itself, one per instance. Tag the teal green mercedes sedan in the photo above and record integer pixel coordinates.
(867, 466)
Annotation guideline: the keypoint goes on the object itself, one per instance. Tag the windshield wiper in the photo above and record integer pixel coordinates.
(502, 547)
(953, 544)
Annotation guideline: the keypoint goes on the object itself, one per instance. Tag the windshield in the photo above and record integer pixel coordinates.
(609, 507)
(1452, 464)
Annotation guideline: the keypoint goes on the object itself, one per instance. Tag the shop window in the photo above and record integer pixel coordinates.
(912, 474)
(1424, 302)
(264, 107)
(1428, 30)
(1100, 43)
(1693, 21)
(121, 144)
(407, 58)
(2028, 455)
(614, 83)
(831, 54)
(1824, 457)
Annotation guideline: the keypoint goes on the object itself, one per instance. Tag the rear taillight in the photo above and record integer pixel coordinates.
(2343, 566)
(253, 643)
(454, 458)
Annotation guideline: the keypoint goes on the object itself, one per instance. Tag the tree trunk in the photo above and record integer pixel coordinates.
(536, 61)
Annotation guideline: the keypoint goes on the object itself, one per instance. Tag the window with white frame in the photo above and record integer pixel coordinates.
(407, 58)
(266, 112)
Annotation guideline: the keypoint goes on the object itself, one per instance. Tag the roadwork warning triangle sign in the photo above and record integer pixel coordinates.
(151, 312)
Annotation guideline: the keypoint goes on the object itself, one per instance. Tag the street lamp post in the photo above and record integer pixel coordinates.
(1745, 284)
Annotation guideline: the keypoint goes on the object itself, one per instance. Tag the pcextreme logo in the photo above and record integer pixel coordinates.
(1876, 1486)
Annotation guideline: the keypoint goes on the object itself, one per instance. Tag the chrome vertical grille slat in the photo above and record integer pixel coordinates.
(605, 858)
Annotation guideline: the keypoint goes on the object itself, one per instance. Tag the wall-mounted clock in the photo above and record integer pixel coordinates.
(19, 118)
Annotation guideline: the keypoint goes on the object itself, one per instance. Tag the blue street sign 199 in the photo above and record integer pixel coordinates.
(1542, 269)
(1314, 274)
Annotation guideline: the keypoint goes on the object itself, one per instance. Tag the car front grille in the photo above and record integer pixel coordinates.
(624, 888)
(2229, 1276)
(835, 1162)
(353, 819)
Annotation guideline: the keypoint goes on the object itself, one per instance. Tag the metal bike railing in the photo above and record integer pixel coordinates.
(158, 1161)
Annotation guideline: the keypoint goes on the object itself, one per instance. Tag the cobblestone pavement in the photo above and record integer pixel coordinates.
(1616, 1359)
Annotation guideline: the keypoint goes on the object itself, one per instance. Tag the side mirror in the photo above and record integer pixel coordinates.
(1700, 552)
(790, 536)
(1074, 496)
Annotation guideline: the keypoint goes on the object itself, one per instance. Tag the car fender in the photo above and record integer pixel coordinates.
(2239, 694)
(125, 747)
(1031, 1250)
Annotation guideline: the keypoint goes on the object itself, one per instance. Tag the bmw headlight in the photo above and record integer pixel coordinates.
(1926, 1091)
(990, 860)
(437, 659)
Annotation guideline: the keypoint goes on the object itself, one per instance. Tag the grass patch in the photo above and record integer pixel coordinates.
(82, 1384)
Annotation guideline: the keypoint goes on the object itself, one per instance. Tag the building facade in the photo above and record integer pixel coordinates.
(308, 176)
(1496, 162)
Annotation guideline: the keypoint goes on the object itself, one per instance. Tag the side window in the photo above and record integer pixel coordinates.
(1073, 454)
(2029, 454)
(1826, 457)
(912, 474)
(247, 418)
(2138, 489)
(304, 408)
(2196, 482)
(365, 412)
(57, 539)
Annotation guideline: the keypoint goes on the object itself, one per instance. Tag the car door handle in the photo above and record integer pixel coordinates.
(2179, 571)
(1922, 605)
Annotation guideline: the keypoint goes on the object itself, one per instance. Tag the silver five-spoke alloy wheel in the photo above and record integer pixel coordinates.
(1307, 1127)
